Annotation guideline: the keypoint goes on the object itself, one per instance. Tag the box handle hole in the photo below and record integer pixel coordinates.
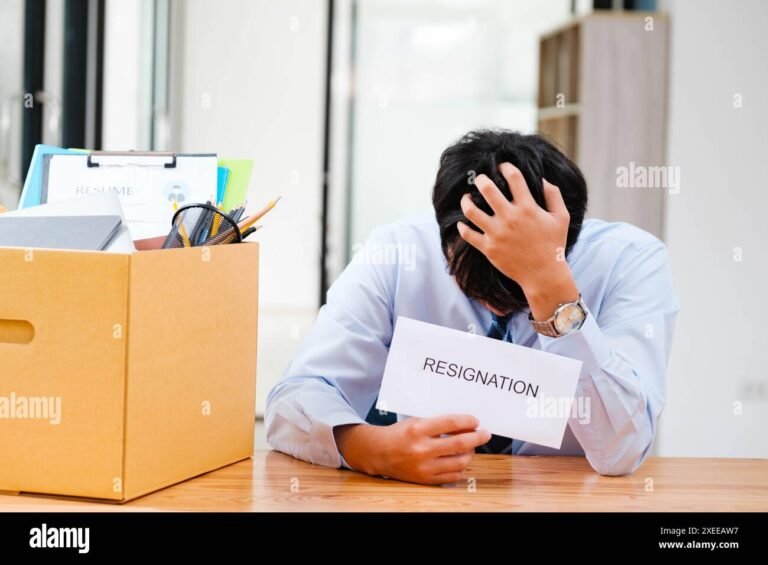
(18, 332)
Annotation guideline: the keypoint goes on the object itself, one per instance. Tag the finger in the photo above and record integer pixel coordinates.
(447, 478)
(474, 238)
(475, 214)
(451, 463)
(521, 195)
(493, 196)
(461, 443)
(457, 432)
(446, 424)
(554, 199)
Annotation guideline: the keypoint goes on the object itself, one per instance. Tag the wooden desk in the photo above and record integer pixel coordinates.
(275, 482)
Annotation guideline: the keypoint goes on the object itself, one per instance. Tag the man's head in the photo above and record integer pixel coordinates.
(481, 152)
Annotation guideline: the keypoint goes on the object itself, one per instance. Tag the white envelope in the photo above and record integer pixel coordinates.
(515, 391)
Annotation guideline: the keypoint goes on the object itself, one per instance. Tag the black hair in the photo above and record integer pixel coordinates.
(482, 151)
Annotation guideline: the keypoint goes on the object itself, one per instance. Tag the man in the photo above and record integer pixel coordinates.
(509, 252)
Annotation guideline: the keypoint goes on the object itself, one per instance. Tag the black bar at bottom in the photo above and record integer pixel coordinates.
(340, 536)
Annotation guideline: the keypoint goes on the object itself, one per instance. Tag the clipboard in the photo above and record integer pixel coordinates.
(146, 183)
(30, 195)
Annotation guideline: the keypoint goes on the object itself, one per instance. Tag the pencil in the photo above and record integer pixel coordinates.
(216, 224)
(258, 215)
(184, 235)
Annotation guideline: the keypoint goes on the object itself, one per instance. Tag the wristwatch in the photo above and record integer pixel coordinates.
(568, 318)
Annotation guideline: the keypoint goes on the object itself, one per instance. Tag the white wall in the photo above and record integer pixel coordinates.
(252, 85)
(718, 381)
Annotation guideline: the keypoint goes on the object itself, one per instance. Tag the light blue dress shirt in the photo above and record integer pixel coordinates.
(625, 282)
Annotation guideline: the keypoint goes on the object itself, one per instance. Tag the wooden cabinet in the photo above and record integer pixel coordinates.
(602, 100)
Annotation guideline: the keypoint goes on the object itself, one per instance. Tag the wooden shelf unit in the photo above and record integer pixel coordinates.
(602, 100)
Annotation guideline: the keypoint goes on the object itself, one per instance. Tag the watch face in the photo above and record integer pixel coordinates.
(569, 318)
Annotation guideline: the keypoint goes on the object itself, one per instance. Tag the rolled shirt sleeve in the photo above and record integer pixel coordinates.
(624, 347)
(336, 375)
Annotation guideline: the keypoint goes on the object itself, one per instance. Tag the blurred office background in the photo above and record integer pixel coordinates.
(346, 105)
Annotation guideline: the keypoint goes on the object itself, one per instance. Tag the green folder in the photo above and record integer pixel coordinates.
(237, 184)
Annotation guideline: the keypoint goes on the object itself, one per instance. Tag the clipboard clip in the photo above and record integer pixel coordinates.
(168, 159)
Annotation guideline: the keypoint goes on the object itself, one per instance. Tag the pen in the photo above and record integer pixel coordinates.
(238, 213)
(207, 224)
(249, 231)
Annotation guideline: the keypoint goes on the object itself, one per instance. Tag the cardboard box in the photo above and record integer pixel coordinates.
(151, 358)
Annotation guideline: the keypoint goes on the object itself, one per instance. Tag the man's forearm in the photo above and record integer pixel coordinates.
(353, 442)
(617, 426)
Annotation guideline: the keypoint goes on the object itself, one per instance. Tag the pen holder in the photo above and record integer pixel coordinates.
(197, 225)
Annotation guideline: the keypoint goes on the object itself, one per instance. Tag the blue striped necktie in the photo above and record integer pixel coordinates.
(499, 330)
